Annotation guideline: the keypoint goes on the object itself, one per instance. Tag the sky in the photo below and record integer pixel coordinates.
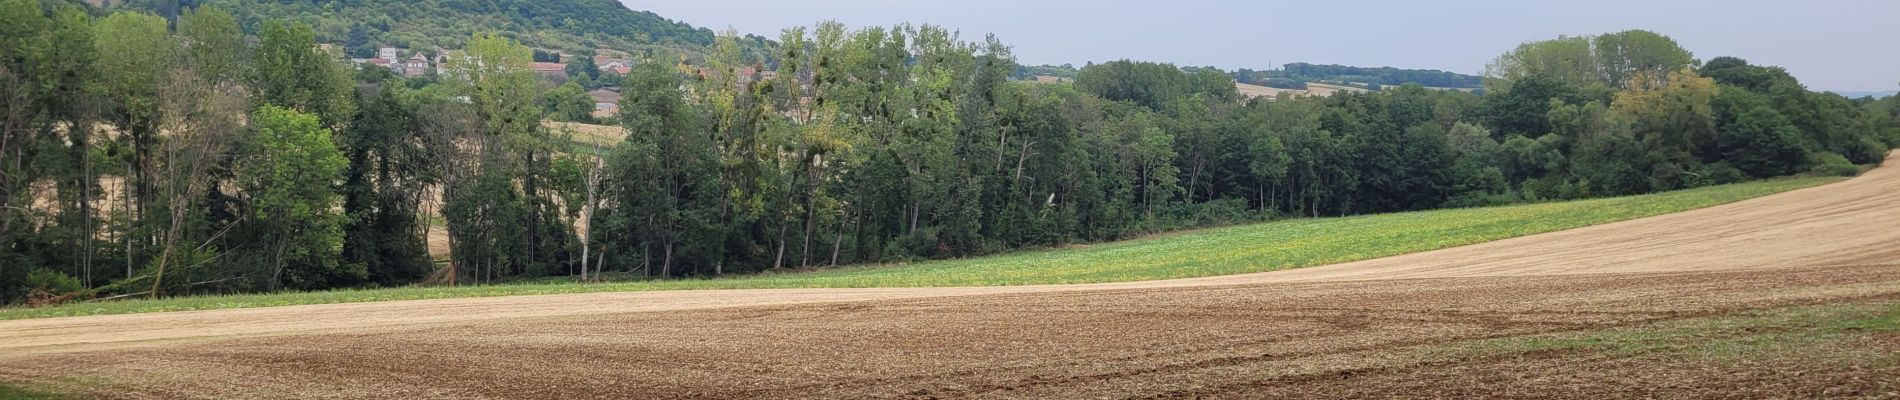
(1840, 45)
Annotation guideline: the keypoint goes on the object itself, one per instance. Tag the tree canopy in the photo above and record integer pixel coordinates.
(142, 157)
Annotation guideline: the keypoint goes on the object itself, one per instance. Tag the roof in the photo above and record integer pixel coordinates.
(604, 60)
(548, 67)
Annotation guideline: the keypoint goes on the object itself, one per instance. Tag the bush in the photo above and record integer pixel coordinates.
(1284, 83)
(1833, 164)
(52, 281)
(1721, 173)
(1867, 150)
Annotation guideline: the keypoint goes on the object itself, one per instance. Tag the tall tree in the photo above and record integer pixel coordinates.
(380, 188)
(287, 177)
(286, 70)
(136, 58)
(665, 175)
(213, 45)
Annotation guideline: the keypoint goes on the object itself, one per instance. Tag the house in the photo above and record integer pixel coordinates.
(416, 65)
(388, 53)
(615, 65)
(447, 60)
(618, 67)
(555, 71)
(606, 103)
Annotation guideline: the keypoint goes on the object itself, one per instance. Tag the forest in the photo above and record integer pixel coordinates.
(362, 25)
(1297, 73)
(143, 156)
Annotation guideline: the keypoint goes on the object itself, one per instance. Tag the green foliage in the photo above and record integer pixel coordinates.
(1065, 71)
(287, 70)
(52, 282)
(1831, 164)
(1754, 138)
(1144, 83)
(568, 102)
(1207, 252)
(1299, 73)
(387, 170)
(1616, 60)
(216, 44)
(572, 25)
(287, 177)
(664, 172)
(501, 213)
(860, 146)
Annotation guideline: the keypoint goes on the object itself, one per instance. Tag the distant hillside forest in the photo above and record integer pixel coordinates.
(362, 25)
(1292, 74)
(1296, 75)
(146, 156)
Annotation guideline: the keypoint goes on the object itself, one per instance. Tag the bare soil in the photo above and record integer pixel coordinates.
(1376, 328)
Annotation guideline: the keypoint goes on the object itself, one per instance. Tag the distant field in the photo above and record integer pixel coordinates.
(1323, 89)
(1312, 89)
(588, 133)
(1247, 90)
(1199, 253)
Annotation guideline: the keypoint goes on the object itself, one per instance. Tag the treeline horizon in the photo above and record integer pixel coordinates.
(152, 157)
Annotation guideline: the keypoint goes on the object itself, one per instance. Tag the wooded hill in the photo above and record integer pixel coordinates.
(361, 25)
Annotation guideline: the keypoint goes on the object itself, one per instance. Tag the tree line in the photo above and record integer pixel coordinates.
(361, 25)
(152, 158)
(1290, 75)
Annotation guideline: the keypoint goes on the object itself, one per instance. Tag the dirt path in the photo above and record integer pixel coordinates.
(1194, 337)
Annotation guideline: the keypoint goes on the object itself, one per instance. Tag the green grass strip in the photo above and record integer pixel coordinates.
(1206, 252)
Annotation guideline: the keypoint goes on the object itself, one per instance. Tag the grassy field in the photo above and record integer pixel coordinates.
(1207, 252)
(9, 392)
(1782, 332)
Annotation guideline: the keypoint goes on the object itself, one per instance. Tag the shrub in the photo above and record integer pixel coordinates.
(52, 281)
(1721, 173)
(1833, 164)
(1284, 83)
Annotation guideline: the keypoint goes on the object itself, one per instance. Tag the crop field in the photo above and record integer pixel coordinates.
(1209, 252)
(1789, 295)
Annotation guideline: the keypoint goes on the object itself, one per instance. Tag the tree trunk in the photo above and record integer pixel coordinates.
(587, 211)
(838, 240)
(810, 215)
(666, 263)
(276, 278)
(85, 211)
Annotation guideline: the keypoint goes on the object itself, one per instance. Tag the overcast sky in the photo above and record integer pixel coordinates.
(1843, 45)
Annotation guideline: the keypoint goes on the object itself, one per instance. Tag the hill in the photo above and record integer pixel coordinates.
(1383, 76)
(1298, 76)
(1859, 94)
(361, 25)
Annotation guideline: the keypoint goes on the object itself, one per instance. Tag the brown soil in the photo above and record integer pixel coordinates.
(1366, 329)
